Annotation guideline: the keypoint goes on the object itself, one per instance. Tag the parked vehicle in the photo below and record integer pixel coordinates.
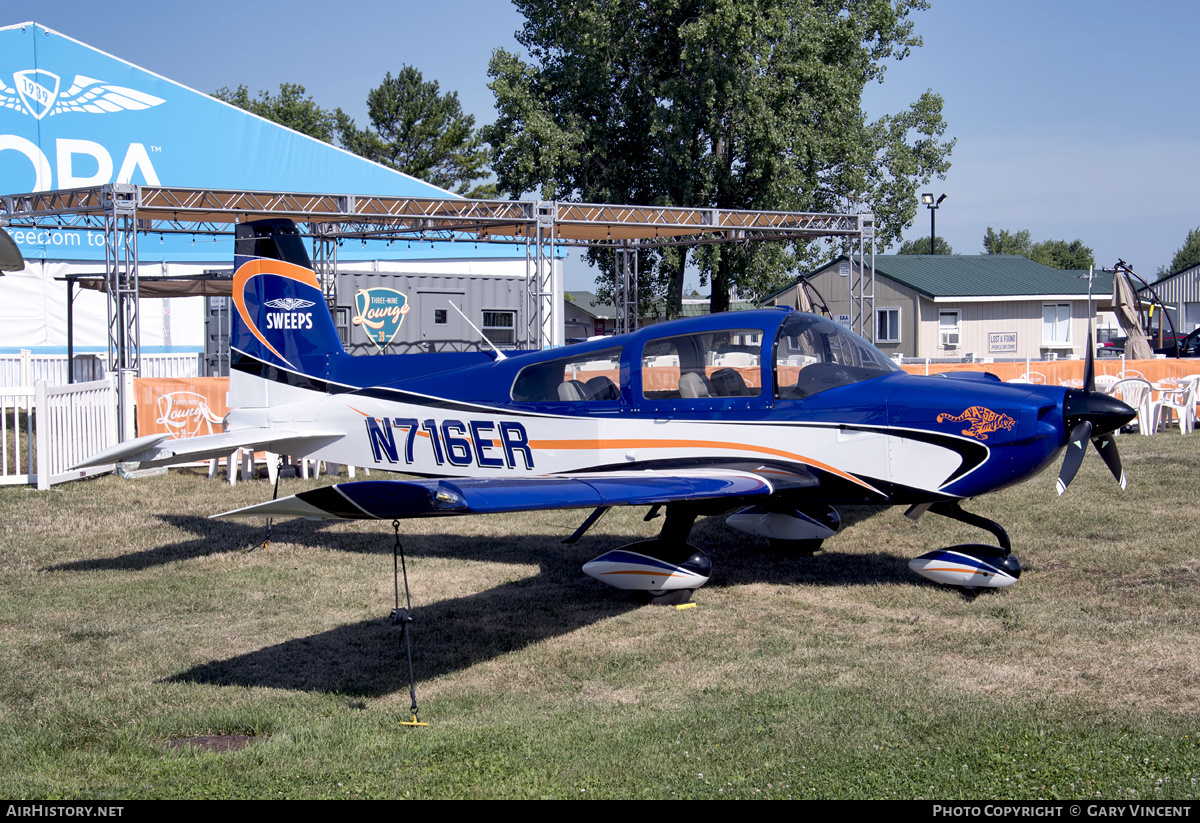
(1115, 346)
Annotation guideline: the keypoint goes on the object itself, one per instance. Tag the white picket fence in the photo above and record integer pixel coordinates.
(16, 431)
(25, 368)
(48, 428)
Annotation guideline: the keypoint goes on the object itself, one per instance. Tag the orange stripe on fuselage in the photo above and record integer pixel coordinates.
(646, 573)
(575, 445)
(597, 445)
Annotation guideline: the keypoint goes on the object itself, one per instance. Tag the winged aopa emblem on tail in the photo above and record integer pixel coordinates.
(37, 92)
(289, 303)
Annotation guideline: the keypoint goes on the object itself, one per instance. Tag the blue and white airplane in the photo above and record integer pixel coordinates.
(773, 416)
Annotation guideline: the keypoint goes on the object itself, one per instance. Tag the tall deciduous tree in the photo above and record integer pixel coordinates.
(921, 246)
(292, 107)
(1186, 256)
(422, 132)
(1062, 254)
(1057, 254)
(715, 103)
(1006, 242)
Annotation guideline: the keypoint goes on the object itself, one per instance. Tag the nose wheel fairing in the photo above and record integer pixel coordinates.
(970, 565)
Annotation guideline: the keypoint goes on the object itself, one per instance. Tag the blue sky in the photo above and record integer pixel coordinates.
(1073, 119)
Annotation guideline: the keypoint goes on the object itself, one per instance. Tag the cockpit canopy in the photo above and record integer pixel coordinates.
(811, 354)
(814, 354)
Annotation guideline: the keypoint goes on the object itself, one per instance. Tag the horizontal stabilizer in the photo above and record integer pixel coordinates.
(163, 450)
(390, 499)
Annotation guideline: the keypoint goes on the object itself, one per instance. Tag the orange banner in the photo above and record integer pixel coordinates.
(1059, 372)
(180, 406)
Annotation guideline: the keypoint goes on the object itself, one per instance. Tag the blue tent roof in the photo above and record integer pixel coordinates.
(73, 116)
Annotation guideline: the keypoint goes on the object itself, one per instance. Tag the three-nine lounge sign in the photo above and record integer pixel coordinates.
(380, 312)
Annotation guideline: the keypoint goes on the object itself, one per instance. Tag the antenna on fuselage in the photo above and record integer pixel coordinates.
(499, 354)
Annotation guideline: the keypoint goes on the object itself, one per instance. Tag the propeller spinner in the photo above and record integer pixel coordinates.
(1092, 415)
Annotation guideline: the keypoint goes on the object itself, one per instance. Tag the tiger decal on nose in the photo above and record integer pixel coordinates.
(983, 421)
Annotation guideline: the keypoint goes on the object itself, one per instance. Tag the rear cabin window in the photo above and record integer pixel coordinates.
(717, 364)
(592, 377)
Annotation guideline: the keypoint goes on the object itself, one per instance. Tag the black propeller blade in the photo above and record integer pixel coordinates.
(1076, 447)
(1092, 415)
(1107, 446)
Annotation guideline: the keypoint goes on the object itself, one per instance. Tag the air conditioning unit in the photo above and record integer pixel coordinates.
(950, 339)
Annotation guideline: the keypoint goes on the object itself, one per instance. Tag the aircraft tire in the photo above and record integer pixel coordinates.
(801, 548)
(670, 597)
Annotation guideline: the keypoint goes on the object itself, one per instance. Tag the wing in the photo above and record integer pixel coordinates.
(398, 499)
(10, 98)
(163, 450)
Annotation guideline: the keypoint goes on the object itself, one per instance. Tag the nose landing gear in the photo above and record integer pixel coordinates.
(969, 565)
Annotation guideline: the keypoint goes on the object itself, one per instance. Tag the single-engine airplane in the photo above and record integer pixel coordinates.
(774, 415)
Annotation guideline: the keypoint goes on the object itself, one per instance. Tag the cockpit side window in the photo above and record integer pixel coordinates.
(586, 378)
(720, 364)
(814, 354)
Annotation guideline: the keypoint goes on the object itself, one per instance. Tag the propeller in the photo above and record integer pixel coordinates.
(1092, 415)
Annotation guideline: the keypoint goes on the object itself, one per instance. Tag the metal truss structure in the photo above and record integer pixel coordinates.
(627, 288)
(123, 211)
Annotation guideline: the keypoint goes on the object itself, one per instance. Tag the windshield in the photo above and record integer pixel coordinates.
(814, 354)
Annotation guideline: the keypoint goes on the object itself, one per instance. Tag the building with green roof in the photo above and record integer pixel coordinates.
(952, 306)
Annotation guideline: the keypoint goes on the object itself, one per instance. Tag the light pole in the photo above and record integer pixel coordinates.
(927, 199)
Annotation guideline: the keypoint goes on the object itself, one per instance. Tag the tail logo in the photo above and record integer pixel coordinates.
(261, 278)
(380, 313)
(289, 303)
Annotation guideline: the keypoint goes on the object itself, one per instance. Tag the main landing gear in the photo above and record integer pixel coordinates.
(970, 565)
(667, 568)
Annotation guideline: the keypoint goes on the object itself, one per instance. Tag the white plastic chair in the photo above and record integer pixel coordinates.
(1105, 382)
(1179, 404)
(1137, 393)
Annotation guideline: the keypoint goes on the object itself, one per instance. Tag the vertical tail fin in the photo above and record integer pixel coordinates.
(280, 318)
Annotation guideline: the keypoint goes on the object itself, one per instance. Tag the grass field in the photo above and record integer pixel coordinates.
(129, 621)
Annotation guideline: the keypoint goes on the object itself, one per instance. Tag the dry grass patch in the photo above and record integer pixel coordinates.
(127, 619)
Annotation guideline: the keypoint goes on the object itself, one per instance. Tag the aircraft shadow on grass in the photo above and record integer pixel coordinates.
(227, 536)
(366, 658)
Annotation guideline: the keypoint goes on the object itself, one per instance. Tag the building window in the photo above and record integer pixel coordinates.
(500, 327)
(342, 321)
(439, 317)
(1056, 324)
(949, 329)
(887, 325)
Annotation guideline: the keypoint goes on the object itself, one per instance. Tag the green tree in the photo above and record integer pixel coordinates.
(421, 132)
(1061, 254)
(1057, 254)
(1186, 256)
(733, 104)
(1006, 242)
(292, 107)
(921, 246)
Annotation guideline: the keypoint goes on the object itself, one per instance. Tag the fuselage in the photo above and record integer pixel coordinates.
(772, 391)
